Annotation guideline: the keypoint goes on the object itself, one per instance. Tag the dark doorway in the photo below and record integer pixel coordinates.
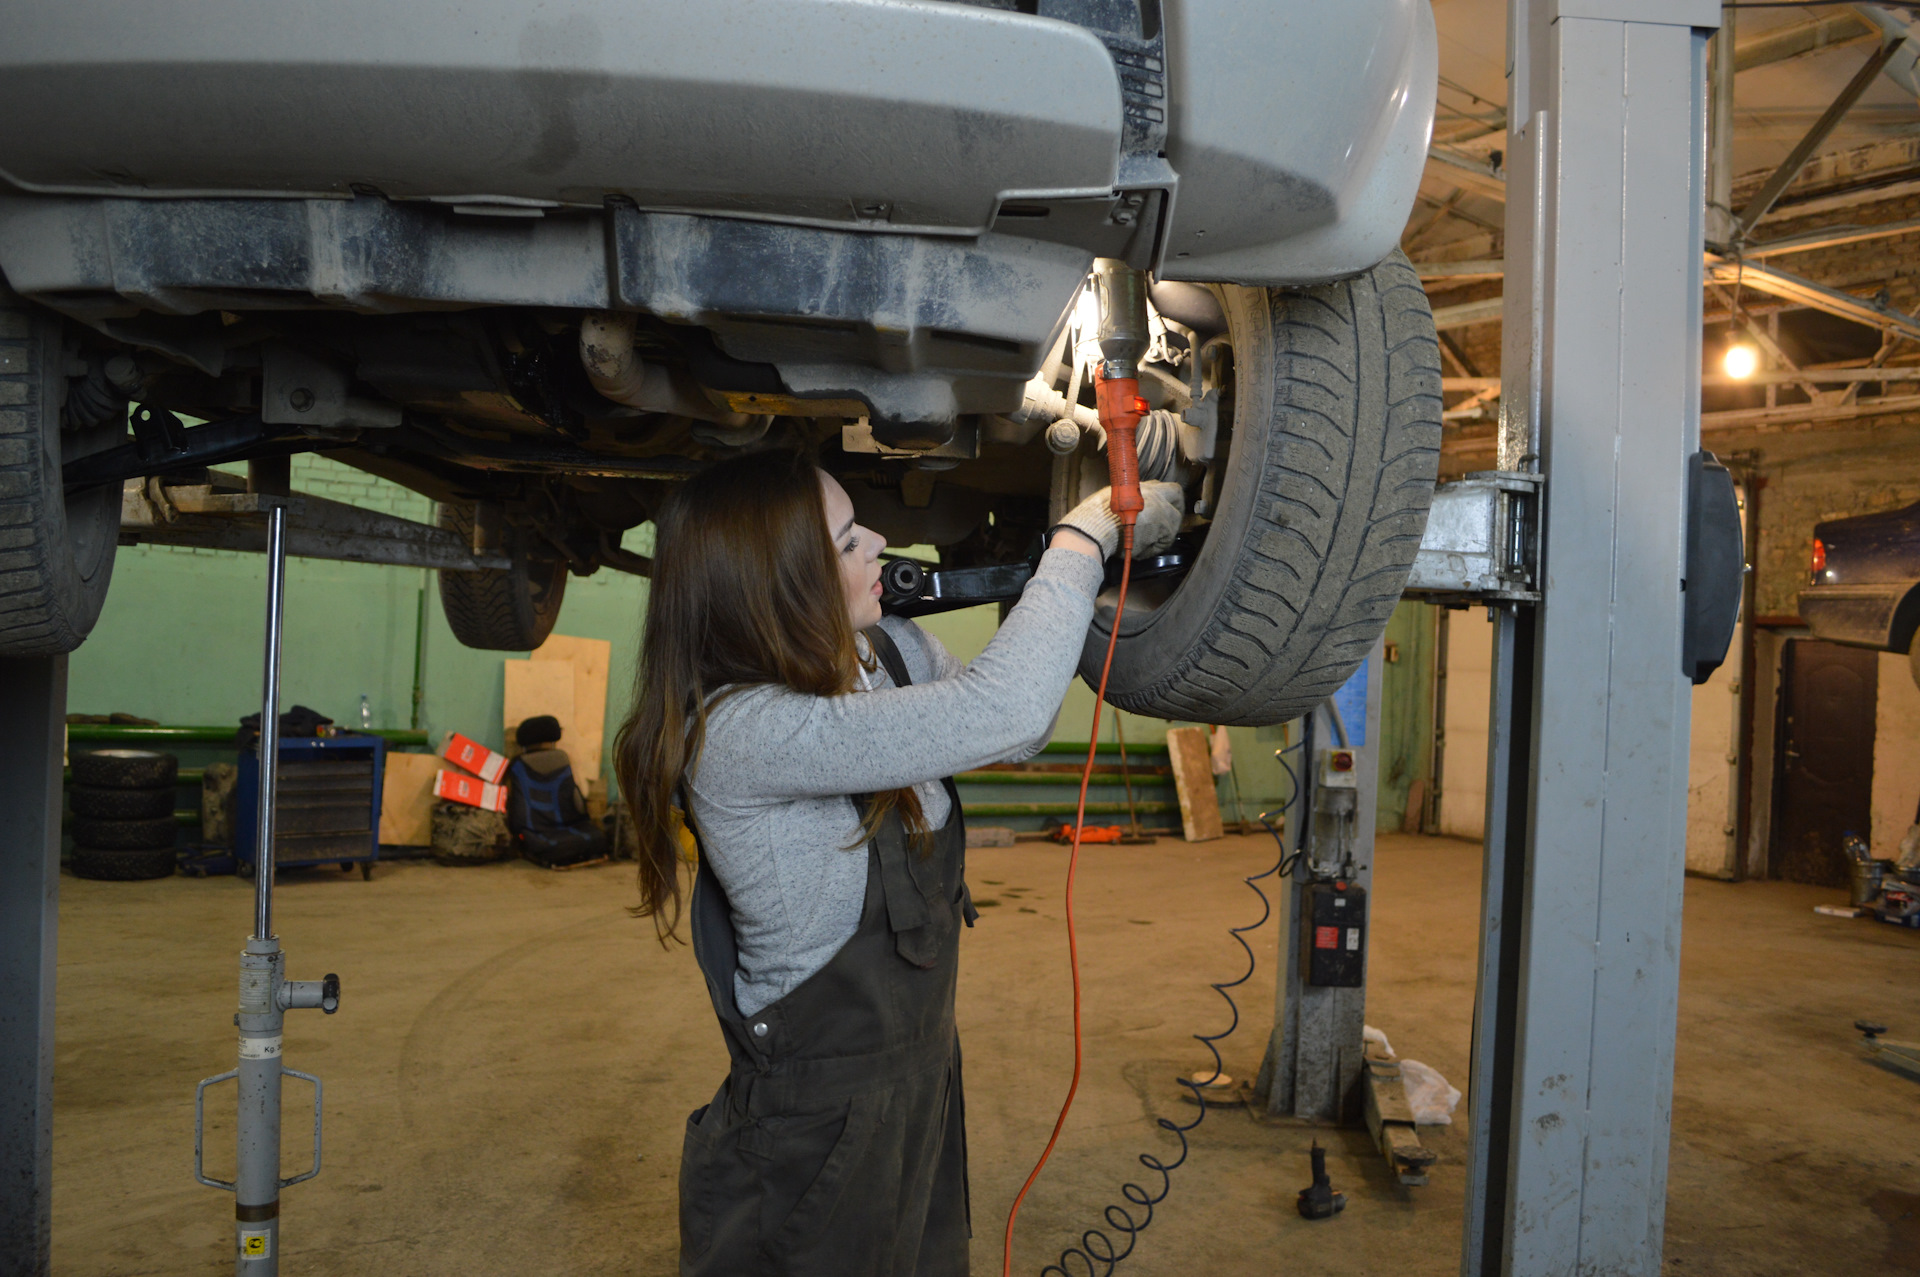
(1824, 789)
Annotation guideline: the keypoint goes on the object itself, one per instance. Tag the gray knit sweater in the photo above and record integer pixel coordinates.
(771, 792)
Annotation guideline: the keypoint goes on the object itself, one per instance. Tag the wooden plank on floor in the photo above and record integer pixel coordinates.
(1193, 782)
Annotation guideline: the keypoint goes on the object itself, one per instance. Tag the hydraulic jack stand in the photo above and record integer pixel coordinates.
(266, 995)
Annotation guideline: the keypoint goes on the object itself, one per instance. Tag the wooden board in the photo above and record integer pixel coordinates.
(1193, 782)
(538, 687)
(586, 732)
(406, 799)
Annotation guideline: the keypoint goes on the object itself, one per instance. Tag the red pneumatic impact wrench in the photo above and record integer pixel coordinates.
(1122, 294)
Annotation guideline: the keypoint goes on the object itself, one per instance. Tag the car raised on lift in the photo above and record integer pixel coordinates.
(537, 262)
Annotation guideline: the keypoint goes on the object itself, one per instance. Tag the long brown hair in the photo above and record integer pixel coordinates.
(746, 592)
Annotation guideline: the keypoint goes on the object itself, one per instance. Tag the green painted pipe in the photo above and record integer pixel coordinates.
(108, 732)
(971, 810)
(1106, 747)
(188, 776)
(1062, 779)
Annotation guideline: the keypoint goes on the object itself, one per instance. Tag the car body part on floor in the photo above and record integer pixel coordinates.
(266, 995)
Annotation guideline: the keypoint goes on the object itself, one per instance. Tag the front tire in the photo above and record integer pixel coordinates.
(56, 553)
(1333, 451)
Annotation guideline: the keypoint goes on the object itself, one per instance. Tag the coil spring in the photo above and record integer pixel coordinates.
(1096, 1249)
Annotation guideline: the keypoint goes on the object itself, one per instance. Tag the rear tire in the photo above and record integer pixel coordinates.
(121, 866)
(501, 610)
(56, 555)
(1330, 469)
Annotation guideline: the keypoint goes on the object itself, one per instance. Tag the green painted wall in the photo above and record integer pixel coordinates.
(181, 639)
(1406, 711)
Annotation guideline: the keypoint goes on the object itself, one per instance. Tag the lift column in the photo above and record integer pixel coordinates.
(1572, 1079)
(33, 708)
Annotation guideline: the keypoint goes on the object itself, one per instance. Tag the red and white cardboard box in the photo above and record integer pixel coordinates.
(475, 757)
(470, 790)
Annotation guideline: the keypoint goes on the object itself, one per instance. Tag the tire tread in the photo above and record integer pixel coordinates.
(1343, 506)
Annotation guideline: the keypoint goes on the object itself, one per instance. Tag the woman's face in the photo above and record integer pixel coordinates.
(858, 551)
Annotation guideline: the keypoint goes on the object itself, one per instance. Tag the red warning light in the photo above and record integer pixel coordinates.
(1342, 760)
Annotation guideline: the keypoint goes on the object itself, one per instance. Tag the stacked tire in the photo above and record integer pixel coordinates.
(123, 825)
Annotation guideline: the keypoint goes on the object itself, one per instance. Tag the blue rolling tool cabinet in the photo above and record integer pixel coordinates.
(327, 808)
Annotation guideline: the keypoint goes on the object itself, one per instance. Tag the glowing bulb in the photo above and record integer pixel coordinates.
(1741, 361)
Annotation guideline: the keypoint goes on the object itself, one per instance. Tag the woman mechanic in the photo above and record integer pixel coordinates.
(812, 743)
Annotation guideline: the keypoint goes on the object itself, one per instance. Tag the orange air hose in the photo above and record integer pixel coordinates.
(1120, 409)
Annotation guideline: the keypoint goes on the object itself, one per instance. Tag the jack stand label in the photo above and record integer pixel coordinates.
(260, 1048)
(256, 1245)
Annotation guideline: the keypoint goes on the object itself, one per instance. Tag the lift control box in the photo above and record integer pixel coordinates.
(1339, 768)
(1333, 934)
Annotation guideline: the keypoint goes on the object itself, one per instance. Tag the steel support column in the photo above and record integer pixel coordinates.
(1586, 802)
(1311, 1070)
(33, 707)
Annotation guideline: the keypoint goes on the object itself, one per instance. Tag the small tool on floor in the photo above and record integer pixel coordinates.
(266, 995)
(1320, 1199)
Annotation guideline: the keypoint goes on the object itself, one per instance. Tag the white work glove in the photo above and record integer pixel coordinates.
(1153, 528)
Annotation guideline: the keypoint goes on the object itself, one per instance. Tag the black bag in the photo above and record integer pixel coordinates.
(298, 721)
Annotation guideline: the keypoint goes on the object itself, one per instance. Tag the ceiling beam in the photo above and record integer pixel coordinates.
(1463, 168)
(1461, 272)
(1772, 377)
(1796, 40)
(1827, 237)
(1776, 185)
(1778, 283)
(1796, 414)
(1467, 313)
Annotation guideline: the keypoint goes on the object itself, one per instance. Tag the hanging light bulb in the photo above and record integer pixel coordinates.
(1741, 360)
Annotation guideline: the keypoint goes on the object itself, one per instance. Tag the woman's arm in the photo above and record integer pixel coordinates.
(928, 660)
(772, 744)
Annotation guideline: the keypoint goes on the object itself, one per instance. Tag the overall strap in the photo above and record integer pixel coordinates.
(889, 654)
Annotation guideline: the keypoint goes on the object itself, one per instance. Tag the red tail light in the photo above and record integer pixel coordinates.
(1819, 556)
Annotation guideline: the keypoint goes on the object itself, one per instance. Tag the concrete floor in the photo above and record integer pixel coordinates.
(514, 1058)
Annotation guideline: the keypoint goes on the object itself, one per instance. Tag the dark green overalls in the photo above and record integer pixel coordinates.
(837, 1145)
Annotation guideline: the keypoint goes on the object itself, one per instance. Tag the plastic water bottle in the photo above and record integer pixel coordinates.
(366, 713)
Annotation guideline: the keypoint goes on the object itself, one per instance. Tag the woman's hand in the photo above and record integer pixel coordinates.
(1091, 528)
